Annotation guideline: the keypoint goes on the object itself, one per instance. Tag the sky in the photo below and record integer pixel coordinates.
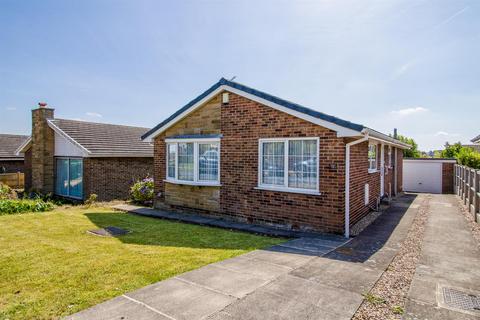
(412, 65)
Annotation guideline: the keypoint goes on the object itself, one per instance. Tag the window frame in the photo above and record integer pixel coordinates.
(285, 187)
(370, 169)
(196, 142)
(68, 175)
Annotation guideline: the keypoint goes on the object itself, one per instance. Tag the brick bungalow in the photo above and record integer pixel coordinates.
(74, 159)
(10, 161)
(244, 154)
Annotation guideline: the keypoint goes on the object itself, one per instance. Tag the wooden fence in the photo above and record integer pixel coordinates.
(13, 180)
(467, 187)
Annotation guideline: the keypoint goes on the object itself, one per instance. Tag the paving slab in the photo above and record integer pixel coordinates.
(339, 274)
(258, 268)
(268, 306)
(233, 283)
(181, 300)
(290, 260)
(340, 302)
(119, 308)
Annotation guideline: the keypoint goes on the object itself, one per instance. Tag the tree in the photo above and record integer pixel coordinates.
(413, 151)
(451, 150)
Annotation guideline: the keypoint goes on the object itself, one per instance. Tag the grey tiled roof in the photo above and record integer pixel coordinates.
(103, 139)
(263, 95)
(9, 144)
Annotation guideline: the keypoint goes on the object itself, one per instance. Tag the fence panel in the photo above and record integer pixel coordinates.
(467, 187)
(13, 180)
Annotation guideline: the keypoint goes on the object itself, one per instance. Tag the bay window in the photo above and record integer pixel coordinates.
(193, 161)
(289, 164)
(372, 157)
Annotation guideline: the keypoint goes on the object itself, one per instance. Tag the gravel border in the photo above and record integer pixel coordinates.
(386, 300)
(472, 224)
(364, 222)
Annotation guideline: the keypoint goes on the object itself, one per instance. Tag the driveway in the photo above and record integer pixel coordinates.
(306, 278)
(447, 277)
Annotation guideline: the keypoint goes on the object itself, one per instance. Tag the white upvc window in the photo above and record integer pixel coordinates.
(193, 161)
(372, 157)
(289, 164)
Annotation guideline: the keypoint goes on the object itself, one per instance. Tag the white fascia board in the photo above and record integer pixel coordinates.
(23, 147)
(12, 159)
(84, 150)
(341, 131)
(392, 143)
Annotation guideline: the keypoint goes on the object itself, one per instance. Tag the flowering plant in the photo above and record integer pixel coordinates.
(142, 191)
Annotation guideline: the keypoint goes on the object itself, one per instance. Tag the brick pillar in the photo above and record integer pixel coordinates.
(43, 144)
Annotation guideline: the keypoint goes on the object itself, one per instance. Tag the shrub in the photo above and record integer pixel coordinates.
(142, 191)
(5, 191)
(12, 206)
(92, 199)
(469, 158)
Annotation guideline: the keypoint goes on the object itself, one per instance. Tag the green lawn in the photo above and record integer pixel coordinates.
(51, 267)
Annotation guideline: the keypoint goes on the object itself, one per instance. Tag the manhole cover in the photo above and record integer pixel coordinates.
(460, 300)
(109, 232)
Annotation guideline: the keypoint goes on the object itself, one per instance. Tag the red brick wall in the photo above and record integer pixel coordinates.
(447, 177)
(111, 178)
(12, 166)
(359, 176)
(243, 122)
(399, 170)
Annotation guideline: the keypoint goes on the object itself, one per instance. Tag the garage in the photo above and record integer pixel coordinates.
(428, 175)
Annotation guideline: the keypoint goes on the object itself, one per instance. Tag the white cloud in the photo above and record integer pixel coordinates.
(403, 68)
(446, 134)
(94, 114)
(409, 111)
(11, 108)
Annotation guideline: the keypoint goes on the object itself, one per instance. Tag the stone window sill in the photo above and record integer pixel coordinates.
(290, 190)
(194, 183)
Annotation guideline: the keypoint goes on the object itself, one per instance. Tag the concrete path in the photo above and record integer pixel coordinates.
(306, 278)
(450, 258)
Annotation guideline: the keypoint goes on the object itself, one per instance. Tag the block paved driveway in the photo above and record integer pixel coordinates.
(306, 278)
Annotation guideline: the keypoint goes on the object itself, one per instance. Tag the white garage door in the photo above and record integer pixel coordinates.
(422, 176)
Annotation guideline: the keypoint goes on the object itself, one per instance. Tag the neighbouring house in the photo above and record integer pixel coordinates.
(10, 162)
(244, 154)
(476, 144)
(74, 159)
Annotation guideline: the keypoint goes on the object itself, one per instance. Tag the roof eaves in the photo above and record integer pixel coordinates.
(476, 139)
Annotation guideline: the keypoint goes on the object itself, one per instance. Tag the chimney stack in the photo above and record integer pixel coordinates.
(395, 135)
(43, 148)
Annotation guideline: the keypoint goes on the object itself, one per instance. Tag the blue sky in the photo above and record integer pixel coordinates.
(414, 65)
